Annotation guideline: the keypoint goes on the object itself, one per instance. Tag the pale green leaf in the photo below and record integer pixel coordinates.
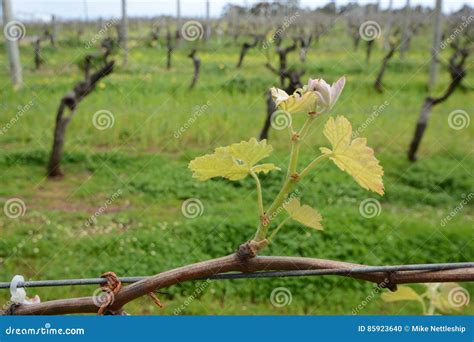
(295, 103)
(216, 165)
(303, 214)
(353, 156)
(403, 293)
(265, 168)
(250, 152)
(233, 162)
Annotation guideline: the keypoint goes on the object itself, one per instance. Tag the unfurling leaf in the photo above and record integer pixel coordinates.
(295, 103)
(303, 214)
(233, 162)
(327, 94)
(403, 293)
(353, 156)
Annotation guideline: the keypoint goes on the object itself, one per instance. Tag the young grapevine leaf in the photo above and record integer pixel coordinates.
(403, 293)
(303, 214)
(327, 94)
(233, 162)
(353, 156)
(295, 103)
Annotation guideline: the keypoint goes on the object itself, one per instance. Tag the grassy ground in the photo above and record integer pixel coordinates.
(143, 231)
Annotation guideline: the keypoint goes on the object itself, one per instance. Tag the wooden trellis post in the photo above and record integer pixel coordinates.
(54, 27)
(207, 34)
(124, 29)
(436, 44)
(178, 21)
(389, 25)
(406, 29)
(12, 45)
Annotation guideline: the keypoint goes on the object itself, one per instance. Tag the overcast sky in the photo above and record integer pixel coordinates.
(25, 9)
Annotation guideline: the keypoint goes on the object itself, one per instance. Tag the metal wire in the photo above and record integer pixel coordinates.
(265, 274)
(336, 271)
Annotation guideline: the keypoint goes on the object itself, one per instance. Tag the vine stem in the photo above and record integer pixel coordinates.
(292, 178)
(263, 229)
(304, 130)
(315, 162)
(295, 150)
(277, 229)
(290, 183)
(259, 194)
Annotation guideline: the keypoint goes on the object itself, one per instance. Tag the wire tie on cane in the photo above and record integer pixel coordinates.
(111, 289)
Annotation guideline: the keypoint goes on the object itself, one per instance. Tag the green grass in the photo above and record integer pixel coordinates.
(144, 232)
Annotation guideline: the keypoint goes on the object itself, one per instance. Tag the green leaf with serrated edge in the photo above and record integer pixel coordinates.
(233, 162)
(303, 214)
(265, 168)
(353, 156)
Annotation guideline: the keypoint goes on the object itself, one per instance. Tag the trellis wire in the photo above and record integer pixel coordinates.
(262, 274)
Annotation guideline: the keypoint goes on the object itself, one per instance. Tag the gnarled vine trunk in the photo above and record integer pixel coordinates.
(70, 101)
(268, 120)
(388, 56)
(197, 66)
(420, 128)
(457, 72)
(245, 48)
(169, 49)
